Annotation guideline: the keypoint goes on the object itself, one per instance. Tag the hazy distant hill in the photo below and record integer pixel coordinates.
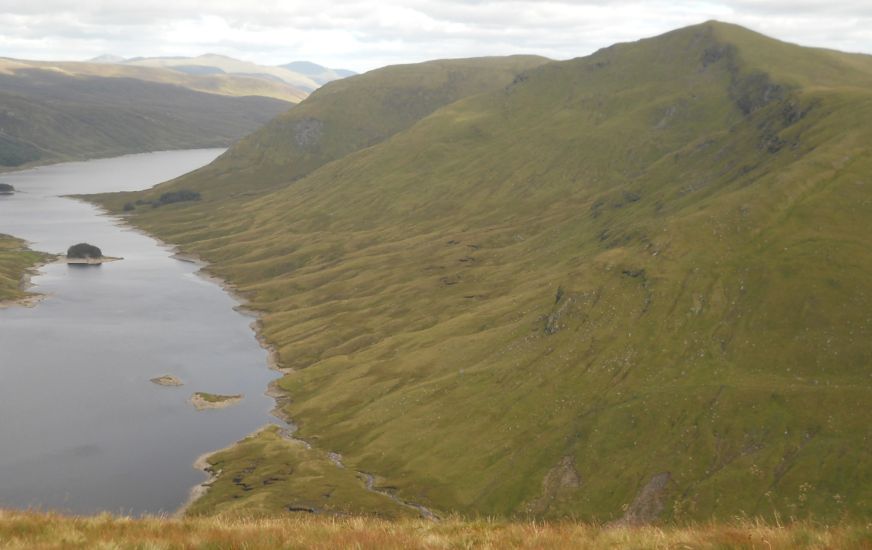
(107, 58)
(631, 285)
(59, 111)
(211, 80)
(318, 73)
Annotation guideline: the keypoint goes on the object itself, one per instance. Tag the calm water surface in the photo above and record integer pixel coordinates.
(81, 427)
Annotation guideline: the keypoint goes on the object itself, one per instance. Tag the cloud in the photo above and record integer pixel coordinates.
(364, 35)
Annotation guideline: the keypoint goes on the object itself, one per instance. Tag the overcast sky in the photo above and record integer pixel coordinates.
(362, 35)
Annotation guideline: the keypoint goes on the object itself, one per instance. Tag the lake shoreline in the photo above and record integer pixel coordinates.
(208, 343)
(273, 362)
(8, 170)
(33, 299)
(30, 299)
(273, 390)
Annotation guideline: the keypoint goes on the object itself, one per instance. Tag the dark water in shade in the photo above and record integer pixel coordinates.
(81, 427)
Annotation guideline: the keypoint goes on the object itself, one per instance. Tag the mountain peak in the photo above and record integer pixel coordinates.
(210, 55)
(305, 67)
(318, 73)
(696, 47)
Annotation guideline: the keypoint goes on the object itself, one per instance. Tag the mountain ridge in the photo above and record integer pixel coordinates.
(283, 146)
(307, 82)
(321, 74)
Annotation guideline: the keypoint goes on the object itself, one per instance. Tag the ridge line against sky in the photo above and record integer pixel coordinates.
(361, 35)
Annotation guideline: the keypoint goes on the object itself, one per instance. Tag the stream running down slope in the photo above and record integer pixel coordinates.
(82, 429)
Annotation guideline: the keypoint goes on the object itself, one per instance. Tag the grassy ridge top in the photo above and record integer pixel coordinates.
(631, 285)
(32, 530)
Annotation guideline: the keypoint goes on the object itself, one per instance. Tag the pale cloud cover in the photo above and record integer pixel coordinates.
(365, 35)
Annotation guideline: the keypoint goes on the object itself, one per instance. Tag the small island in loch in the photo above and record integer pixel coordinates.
(202, 400)
(167, 380)
(6, 189)
(86, 254)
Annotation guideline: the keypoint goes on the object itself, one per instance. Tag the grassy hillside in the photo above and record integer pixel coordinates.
(290, 476)
(49, 115)
(32, 530)
(15, 261)
(632, 285)
(346, 116)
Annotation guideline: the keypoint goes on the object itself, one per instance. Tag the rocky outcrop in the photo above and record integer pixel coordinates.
(649, 503)
(307, 133)
(561, 481)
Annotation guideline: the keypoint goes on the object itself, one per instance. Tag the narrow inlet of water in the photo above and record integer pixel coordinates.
(82, 429)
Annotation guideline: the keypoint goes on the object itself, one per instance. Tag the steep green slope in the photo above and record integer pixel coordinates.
(628, 285)
(345, 116)
(51, 116)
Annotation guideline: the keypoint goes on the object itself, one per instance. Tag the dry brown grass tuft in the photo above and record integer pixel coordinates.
(33, 530)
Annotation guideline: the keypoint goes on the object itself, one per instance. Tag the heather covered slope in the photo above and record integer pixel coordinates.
(52, 113)
(628, 285)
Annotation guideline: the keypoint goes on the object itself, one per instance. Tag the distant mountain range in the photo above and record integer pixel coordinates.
(305, 75)
(318, 73)
(56, 111)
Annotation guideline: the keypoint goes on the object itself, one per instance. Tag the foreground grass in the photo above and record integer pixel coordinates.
(34, 530)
